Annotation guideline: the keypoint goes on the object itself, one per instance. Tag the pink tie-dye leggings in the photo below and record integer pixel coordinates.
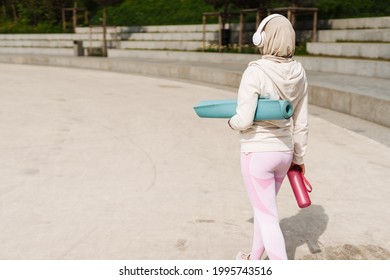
(263, 174)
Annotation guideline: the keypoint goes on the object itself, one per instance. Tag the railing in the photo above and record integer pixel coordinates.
(222, 17)
(98, 29)
(292, 12)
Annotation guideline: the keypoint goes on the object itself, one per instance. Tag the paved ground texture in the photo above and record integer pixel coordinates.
(102, 165)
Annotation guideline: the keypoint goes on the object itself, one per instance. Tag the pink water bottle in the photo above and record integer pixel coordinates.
(300, 186)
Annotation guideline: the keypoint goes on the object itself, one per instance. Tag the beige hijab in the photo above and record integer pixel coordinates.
(279, 43)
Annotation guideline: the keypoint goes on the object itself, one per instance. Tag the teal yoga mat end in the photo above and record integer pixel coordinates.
(267, 109)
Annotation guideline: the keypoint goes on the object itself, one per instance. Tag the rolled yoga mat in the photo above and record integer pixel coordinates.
(267, 109)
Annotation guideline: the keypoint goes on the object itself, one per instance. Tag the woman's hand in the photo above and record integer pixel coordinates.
(301, 166)
(229, 124)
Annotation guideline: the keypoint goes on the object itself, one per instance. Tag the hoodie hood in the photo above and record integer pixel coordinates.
(288, 80)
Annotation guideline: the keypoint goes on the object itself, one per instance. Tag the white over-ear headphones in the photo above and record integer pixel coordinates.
(259, 37)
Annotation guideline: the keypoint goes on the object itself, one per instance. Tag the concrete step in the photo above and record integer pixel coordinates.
(162, 45)
(359, 67)
(169, 36)
(360, 35)
(163, 28)
(362, 97)
(148, 28)
(356, 23)
(24, 43)
(172, 32)
(37, 51)
(180, 56)
(56, 37)
(38, 37)
(37, 43)
(99, 44)
(363, 50)
(55, 43)
(347, 66)
(96, 30)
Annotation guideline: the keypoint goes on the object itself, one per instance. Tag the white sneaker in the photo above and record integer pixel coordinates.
(243, 256)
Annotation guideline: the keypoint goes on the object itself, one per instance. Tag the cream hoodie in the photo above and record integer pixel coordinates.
(274, 77)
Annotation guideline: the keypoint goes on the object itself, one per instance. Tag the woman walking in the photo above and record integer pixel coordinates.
(270, 148)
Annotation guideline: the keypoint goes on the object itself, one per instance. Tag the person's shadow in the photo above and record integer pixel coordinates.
(305, 227)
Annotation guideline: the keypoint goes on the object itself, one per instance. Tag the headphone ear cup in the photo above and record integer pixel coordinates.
(262, 39)
(256, 39)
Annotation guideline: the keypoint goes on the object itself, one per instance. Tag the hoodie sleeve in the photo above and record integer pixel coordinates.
(248, 94)
(300, 130)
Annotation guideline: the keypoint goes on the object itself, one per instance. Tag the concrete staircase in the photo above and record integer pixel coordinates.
(58, 44)
(359, 38)
(122, 38)
(181, 38)
(55, 44)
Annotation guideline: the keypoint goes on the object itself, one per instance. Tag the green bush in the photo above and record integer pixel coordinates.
(329, 9)
(155, 12)
(20, 27)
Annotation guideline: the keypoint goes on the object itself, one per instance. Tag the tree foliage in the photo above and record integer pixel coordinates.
(31, 13)
(239, 3)
(353, 8)
(157, 12)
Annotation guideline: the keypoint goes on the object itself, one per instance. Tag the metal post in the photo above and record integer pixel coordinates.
(220, 32)
(90, 41)
(104, 31)
(293, 21)
(314, 37)
(75, 16)
(63, 20)
(241, 31)
(257, 19)
(204, 32)
(289, 15)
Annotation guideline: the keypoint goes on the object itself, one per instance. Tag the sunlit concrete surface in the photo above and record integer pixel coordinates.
(102, 165)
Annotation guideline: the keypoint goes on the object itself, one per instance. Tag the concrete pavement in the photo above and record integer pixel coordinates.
(103, 165)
